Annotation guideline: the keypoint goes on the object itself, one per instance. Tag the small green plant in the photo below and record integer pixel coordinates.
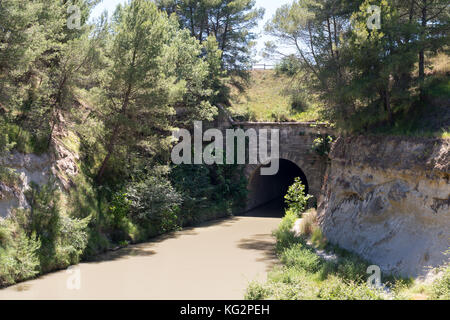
(441, 287)
(296, 198)
(119, 210)
(18, 254)
(322, 145)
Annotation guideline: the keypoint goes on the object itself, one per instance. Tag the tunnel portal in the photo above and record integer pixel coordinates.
(265, 189)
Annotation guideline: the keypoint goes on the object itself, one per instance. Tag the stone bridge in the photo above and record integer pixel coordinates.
(297, 159)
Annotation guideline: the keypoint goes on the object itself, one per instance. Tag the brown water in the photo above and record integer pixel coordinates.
(213, 261)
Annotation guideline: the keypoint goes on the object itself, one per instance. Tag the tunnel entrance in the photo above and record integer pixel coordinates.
(272, 189)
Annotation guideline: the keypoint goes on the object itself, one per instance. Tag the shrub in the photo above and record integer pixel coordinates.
(296, 197)
(16, 137)
(62, 238)
(218, 190)
(117, 220)
(155, 201)
(18, 256)
(322, 145)
(301, 257)
(289, 65)
(72, 240)
(441, 287)
(256, 291)
(284, 234)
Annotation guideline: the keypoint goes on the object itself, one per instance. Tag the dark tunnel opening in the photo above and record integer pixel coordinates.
(266, 193)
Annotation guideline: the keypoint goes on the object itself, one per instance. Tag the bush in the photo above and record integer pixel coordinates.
(296, 197)
(154, 201)
(441, 287)
(300, 257)
(18, 256)
(13, 136)
(219, 189)
(62, 238)
(117, 217)
(322, 145)
(317, 237)
(284, 234)
(256, 291)
(289, 65)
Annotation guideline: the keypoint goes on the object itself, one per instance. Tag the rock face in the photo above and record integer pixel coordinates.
(28, 168)
(388, 199)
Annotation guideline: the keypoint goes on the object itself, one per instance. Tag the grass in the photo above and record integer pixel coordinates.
(9, 177)
(271, 96)
(267, 98)
(306, 275)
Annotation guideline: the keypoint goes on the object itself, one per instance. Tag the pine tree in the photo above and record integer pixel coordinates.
(231, 22)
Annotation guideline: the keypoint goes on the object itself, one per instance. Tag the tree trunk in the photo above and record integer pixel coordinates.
(422, 38)
(113, 140)
(330, 42)
(109, 153)
(387, 103)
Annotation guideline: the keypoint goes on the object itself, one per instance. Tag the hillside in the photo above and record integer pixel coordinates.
(268, 97)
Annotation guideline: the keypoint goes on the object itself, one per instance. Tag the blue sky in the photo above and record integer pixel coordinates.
(270, 6)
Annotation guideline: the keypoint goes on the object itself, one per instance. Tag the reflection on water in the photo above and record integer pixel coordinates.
(273, 209)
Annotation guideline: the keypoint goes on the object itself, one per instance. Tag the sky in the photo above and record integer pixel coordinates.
(270, 5)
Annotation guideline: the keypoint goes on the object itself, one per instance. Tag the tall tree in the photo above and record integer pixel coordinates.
(364, 76)
(155, 70)
(231, 22)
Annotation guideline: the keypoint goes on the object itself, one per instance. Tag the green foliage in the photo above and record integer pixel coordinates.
(9, 177)
(441, 287)
(15, 137)
(153, 69)
(218, 190)
(284, 234)
(18, 255)
(296, 198)
(322, 145)
(366, 78)
(118, 210)
(272, 96)
(289, 66)
(305, 275)
(154, 201)
(41, 62)
(62, 238)
(298, 256)
(229, 21)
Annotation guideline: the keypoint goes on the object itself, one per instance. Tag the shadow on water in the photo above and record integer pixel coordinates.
(145, 249)
(266, 247)
(273, 209)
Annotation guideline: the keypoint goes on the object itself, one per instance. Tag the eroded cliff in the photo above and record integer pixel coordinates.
(387, 199)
